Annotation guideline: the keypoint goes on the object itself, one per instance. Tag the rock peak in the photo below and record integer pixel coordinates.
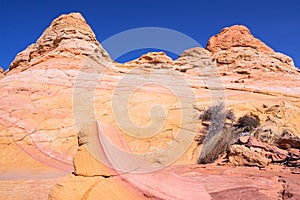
(236, 36)
(69, 34)
(76, 15)
(154, 58)
(236, 51)
(151, 60)
(243, 29)
(74, 21)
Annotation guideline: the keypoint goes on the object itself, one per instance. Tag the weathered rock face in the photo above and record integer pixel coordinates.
(236, 36)
(39, 112)
(156, 60)
(175, 182)
(242, 57)
(67, 36)
(1, 72)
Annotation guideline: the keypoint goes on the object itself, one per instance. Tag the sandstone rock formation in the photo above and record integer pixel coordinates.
(1, 72)
(236, 36)
(42, 143)
(67, 36)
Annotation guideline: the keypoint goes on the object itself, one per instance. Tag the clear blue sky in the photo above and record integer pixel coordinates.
(277, 23)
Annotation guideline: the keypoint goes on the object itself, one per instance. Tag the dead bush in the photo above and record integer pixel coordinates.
(248, 122)
(218, 134)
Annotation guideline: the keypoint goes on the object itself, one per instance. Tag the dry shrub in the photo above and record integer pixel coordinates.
(219, 134)
(216, 146)
(248, 122)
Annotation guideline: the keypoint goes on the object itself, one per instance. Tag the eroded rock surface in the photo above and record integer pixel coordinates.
(1, 72)
(39, 113)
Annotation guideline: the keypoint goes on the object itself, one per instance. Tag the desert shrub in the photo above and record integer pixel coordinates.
(216, 115)
(218, 135)
(248, 122)
(216, 146)
(221, 135)
(217, 112)
(207, 114)
(230, 115)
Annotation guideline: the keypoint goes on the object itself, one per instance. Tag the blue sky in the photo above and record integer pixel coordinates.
(277, 23)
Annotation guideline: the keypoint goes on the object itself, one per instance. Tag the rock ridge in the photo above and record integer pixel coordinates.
(67, 36)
